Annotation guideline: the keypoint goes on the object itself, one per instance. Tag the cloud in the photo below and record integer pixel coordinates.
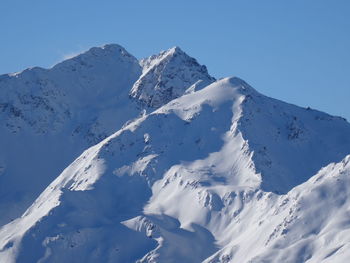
(70, 55)
(62, 56)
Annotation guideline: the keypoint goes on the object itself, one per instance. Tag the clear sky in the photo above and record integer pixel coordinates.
(294, 50)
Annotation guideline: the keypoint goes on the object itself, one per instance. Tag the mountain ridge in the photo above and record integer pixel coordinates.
(221, 173)
(48, 111)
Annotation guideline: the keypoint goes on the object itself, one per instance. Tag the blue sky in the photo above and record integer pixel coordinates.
(297, 51)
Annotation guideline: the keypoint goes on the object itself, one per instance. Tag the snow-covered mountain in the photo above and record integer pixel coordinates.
(50, 116)
(185, 169)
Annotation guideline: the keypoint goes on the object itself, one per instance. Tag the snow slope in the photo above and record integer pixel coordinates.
(221, 174)
(50, 116)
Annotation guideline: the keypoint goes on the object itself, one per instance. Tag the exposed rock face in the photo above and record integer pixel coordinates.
(167, 76)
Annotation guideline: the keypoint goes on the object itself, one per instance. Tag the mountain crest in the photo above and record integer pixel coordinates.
(109, 54)
(154, 60)
(167, 76)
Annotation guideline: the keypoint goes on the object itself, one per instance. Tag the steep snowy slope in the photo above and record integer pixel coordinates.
(192, 181)
(291, 143)
(49, 116)
(309, 224)
(44, 99)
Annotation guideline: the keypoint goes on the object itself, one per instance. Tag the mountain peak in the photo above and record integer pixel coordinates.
(167, 76)
(109, 53)
(109, 49)
(175, 50)
(169, 54)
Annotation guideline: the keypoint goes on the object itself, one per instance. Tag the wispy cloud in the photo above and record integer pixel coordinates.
(64, 55)
(75, 52)
(71, 55)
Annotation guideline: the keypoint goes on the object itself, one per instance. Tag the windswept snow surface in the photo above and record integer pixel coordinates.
(219, 174)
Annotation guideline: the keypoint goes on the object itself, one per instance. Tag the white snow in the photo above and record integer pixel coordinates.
(217, 174)
(50, 116)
